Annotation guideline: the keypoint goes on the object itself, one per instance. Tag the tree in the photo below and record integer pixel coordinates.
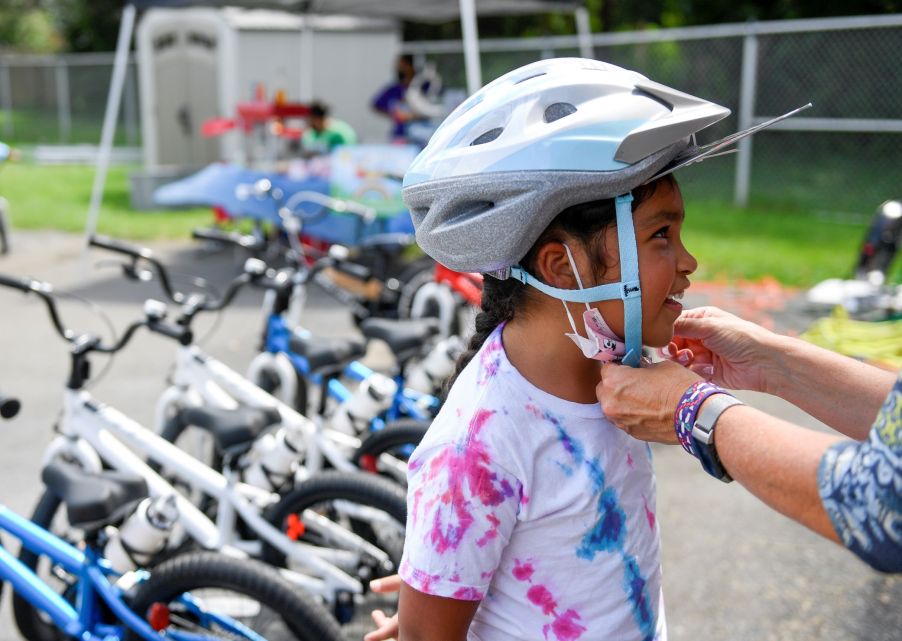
(26, 26)
(88, 25)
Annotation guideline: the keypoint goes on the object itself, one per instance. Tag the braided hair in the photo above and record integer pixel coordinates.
(502, 299)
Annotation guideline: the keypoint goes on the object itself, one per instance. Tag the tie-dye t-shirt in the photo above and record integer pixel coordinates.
(536, 506)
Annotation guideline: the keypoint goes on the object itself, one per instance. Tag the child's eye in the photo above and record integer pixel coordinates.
(664, 232)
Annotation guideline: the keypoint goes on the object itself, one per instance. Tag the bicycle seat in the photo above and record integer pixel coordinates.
(327, 355)
(93, 499)
(230, 428)
(405, 338)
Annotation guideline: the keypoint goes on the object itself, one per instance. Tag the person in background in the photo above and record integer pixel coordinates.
(392, 103)
(325, 133)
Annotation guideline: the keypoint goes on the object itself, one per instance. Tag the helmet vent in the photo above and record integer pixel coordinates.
(651, 96)
(488, 136)
(557, 111)
(463, 212)
(535, 75)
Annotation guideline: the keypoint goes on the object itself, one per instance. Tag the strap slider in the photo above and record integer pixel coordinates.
(631, 289)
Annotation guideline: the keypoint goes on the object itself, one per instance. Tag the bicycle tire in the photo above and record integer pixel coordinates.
(29, 620)
(395, 436)
(356, 487)
(296, 615)
(412, 279)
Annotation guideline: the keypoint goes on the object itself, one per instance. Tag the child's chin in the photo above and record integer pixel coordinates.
(658, 339)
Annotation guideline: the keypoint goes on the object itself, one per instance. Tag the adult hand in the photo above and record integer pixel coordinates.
(642, 401)
(732, 352)
(386, 626)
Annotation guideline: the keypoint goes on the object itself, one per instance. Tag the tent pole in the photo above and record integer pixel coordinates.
(120, 66)
(584, 32)
(471, 45)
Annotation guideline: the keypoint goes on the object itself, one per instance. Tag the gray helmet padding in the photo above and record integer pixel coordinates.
(488, 222)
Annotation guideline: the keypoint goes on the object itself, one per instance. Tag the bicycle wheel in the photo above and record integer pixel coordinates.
(371, 507)
(218, 597)
(386, 452)
(33, 624)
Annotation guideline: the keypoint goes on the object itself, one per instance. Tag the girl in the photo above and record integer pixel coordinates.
(530, 516)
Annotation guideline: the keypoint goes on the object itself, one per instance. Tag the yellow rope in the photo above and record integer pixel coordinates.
(878, 342)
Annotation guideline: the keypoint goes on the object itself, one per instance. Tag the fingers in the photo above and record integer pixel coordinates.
(705, 370)
(386, 627)
(674, 352)
(388, 584)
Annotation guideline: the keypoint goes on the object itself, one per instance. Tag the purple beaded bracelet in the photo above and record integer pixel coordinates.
(687, 410)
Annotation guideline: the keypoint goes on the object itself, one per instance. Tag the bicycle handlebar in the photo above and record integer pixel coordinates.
(139, 253)
(87, 342)
(191, 304)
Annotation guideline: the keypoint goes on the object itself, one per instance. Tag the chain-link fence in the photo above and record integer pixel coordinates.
(842, 155)
(61, 99)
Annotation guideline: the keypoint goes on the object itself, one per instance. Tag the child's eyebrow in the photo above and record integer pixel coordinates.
(664, 217)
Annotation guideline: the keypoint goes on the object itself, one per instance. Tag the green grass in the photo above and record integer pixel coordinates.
(57, 197)
(793, 245)
(41, 126)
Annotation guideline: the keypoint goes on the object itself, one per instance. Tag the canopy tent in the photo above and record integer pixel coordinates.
(412, 10)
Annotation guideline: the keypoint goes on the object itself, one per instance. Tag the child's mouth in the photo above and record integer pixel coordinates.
(673, 301)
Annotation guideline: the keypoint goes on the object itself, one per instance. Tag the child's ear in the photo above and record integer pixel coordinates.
(553, 267)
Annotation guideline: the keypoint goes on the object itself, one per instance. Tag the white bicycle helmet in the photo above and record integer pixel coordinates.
(542, 138)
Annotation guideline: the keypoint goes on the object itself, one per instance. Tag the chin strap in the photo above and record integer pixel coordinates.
(628, 289)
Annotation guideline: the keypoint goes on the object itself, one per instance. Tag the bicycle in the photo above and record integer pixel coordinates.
(100, 603)
(292, 360)
(96, 435)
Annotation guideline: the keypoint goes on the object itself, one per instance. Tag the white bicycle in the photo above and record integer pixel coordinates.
(96, 436)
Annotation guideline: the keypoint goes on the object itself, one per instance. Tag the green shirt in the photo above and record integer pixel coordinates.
(337, 132)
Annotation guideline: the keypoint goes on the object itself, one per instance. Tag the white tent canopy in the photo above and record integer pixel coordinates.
(412, 10)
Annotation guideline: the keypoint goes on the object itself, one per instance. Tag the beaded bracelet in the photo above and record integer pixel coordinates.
(687, 411)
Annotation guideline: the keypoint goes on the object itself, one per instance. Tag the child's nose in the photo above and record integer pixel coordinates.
(687, 264)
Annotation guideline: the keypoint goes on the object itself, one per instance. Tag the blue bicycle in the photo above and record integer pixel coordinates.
(194, 596)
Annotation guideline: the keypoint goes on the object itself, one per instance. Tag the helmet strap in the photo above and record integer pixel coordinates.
(628, 289)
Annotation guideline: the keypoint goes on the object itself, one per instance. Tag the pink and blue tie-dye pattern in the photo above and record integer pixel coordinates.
(511, 503)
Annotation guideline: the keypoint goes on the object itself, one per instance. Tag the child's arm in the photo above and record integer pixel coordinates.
(423, 617)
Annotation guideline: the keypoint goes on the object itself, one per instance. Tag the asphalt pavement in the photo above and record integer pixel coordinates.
(734, 570)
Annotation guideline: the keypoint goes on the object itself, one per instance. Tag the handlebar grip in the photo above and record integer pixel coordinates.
(23, 284)
(213, 234)
(9, 406)
(245, 241)
(119, 246)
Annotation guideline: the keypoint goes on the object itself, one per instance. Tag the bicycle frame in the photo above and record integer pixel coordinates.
(91, 432)
(200, 380)
(82, 621)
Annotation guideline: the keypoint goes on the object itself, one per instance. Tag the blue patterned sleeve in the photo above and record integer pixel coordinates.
(861, 487)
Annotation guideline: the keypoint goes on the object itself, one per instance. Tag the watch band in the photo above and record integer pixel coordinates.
(703, 433)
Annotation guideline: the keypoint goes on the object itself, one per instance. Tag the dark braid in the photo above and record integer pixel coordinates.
(501, 299)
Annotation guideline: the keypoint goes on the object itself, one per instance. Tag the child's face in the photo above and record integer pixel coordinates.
(664, 266)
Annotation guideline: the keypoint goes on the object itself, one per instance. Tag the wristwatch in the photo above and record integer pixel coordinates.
(703, 433)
